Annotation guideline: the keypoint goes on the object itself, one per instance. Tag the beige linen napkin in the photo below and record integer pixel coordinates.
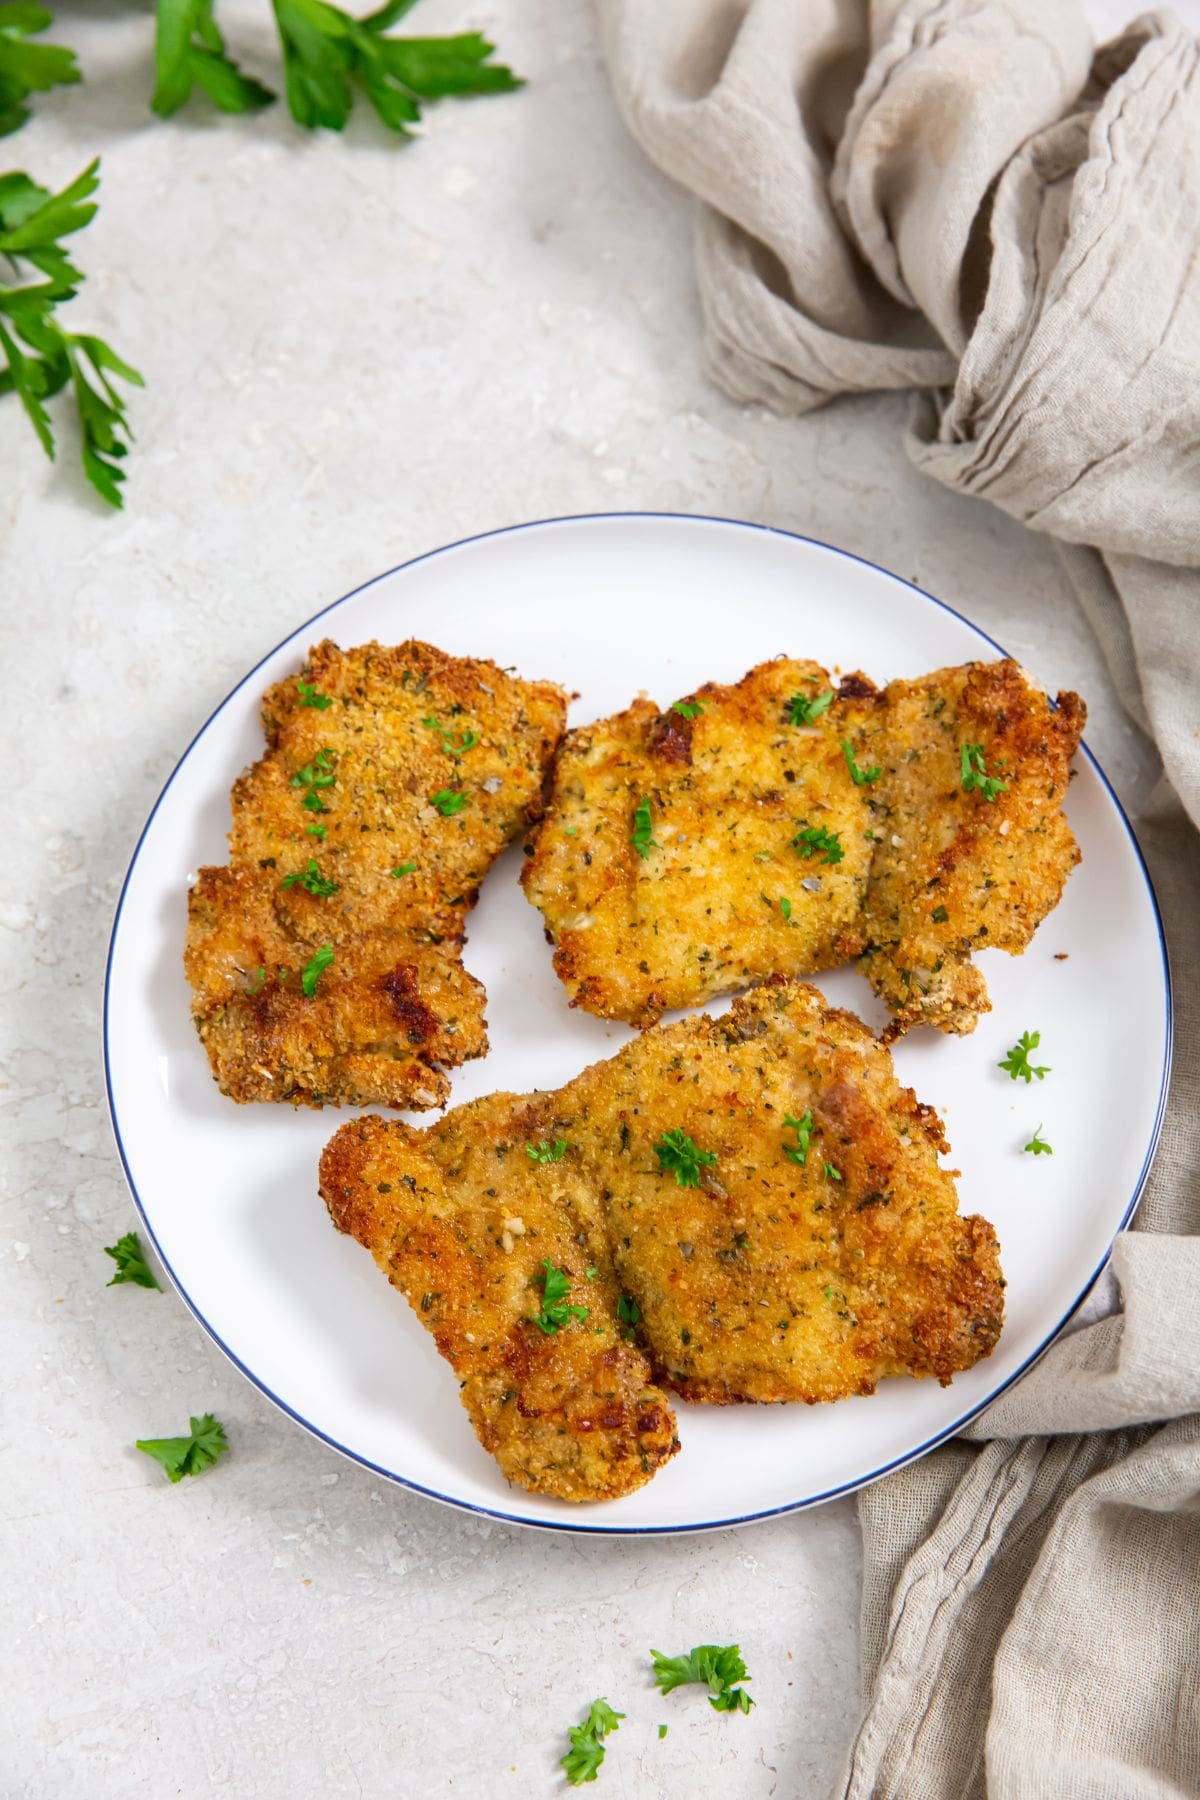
(959, 197)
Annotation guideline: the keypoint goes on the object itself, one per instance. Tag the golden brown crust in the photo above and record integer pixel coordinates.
(395, 1008)
(954, 871)
(770, 1280)
(723, 899)
(731, 892)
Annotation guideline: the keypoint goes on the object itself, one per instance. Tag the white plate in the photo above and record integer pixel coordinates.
(610, 605)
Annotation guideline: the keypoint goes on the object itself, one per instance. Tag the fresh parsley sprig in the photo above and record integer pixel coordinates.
(811, 838)
(547, 1152)
(189, 1455)
(189, 51)
(803, 711)
(687, 709)
(642, 836)
(555, 1313)
(131, 1262)
(314, 968)
(27, 68)
(803, 1127)
(309, 696)
(312, 881)
(1017, 1064)
(860, 777)
(328, 56)
(313, 778)
(715, 1666)
(39, 356)
(680, 1156)
(1038, 1145)
(448, 801)
(586, 1754)
(974, 773)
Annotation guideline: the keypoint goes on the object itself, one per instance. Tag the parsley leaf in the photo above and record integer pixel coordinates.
(547, 1152)
(860, 777)
(811, 838)
(466, 740)
(587, 1749)
(642, 836)
(257, 982)
(1037, 1144)
(317, 831)
(310, 697)
(27, 68)
(1017, 1064)
(802, 711)
(785, 907)
(312, 778)
(715, 1666)
(32, 221)
(328, 54)
(408, 868)
(798, 1153)
(628, 1314)
(314, 968)
(188, 1455)
(448, 802)
(312, 880)
(190, 51)
(832, 1174)
(687, 709)
(678, 1155)
(973, 767)
(555, 1313)
(131, 1262)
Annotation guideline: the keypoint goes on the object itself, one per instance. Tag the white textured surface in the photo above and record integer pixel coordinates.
(355, 352)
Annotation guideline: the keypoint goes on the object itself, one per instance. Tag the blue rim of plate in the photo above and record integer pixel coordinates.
(774, 1512)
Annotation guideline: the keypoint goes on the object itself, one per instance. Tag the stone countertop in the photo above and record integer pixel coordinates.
(355, 351)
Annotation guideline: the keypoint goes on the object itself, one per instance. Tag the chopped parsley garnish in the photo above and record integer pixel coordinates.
(811, 838)
(314, 968)
(860, 777)
(803, 711)
(257, 982)
(628, 1313)
(678, 1155)
(587, 1748)
(312, 881)
(466, 740)
(642, 835)
(785, 907)
(555, 1313)
(832, 1174)
(310, 697)
(798, 1152)
(940, 915)
(404, 869)
(1037, 1144)
(448, 802)
(131, 1262)
(714, 1666)
(314, 776)
(662, 1731)
(1017, 1063)
(190, 1455)
(687, 709)
(547, 1152)
(317, 831)
(974, 775)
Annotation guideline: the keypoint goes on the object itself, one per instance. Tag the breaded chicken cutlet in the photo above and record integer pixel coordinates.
(748, 1208)
(325, 959)
(787, 824)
